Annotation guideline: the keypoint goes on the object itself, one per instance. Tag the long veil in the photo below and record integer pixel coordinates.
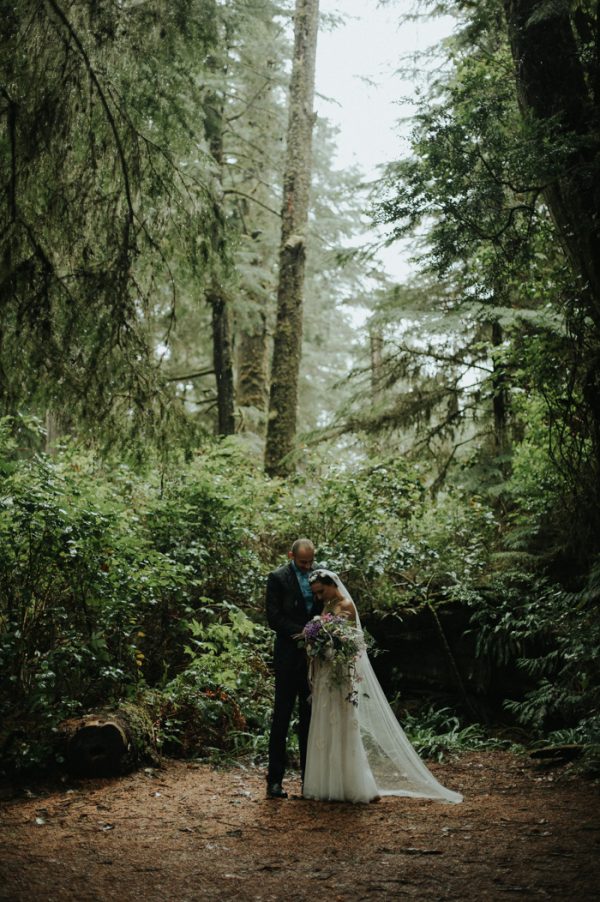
(396, 766)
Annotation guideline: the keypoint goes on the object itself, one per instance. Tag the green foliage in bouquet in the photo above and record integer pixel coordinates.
(336, 643)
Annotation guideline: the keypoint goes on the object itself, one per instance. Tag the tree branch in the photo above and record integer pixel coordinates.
(103, 100)
(249, 103)
(185, 377)
(253, 199)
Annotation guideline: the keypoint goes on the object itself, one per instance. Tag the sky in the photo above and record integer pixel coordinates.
(358, 90)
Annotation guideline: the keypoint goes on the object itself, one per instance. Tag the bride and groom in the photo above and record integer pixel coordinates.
(352, 748)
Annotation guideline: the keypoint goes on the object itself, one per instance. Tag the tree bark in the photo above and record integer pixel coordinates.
(287, 348)
(53, 431)
(376, 346)
(223, 362)
(499, 395)
(252, 390)
(558, 85)
(221, 316)
(553, 88)
(108, 743)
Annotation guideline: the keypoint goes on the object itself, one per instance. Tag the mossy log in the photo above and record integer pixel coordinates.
(108, 743)
(559, 753)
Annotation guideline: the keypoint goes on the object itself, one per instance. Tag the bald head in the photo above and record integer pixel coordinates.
(303, 545)
(303, 554)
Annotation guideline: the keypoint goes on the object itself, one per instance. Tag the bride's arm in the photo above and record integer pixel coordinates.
(345, 608)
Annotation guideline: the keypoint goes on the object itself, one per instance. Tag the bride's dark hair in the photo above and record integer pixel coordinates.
(319, 576)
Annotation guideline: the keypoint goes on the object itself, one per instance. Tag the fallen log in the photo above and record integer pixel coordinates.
(558, 753)
(108, 743)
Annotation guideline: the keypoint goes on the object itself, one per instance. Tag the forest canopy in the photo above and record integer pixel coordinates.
(444, 450)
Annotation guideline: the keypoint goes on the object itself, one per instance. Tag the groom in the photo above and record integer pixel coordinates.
(290, 605)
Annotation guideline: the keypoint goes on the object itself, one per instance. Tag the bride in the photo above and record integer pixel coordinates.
(357, 750)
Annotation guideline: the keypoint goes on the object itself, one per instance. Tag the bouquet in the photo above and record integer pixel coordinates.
(334, 639)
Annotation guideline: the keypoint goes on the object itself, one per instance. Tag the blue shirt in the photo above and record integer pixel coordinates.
(304, 588)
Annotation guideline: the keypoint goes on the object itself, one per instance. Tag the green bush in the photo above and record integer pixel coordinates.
(524, 621)
(101, 574)
(223, 699)
(118, 584)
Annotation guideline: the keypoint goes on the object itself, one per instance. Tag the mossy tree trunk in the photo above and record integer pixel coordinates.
(287, 347)
(377, 352)
(499, 394)
(252, 386)
(558, 90)
(223, 361)
(557, 67)
(222, 332)
(108, 743)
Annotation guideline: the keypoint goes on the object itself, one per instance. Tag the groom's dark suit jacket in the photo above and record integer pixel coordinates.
(287, 615)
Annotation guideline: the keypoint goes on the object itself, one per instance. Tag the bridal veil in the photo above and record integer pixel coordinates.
(396, 766)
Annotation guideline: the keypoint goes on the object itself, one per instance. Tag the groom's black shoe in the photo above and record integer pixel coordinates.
(274, 791)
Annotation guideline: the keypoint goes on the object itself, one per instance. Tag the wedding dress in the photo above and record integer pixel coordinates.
(357, 753)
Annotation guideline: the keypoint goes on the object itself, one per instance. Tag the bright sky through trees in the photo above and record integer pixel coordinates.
(359, 92)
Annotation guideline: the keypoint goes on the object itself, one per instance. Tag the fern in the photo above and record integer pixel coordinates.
(553, 637)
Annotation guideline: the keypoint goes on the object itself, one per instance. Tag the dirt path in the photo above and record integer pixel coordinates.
(187, 832)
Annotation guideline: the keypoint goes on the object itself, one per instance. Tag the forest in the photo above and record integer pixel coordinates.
(201, 360)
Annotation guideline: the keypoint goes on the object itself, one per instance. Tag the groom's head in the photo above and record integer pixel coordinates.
(303, 554)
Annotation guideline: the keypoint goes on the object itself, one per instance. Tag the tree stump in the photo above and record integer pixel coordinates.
(108, 743)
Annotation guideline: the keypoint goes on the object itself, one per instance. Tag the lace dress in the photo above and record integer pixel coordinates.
(357, 753)
(337, 768)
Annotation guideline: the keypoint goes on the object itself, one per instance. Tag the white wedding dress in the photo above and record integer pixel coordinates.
(336, 761)
(357, 753)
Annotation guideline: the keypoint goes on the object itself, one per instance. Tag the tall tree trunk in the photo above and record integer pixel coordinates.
(252, 390)
(552, 85)
(499, 395)
(559, 86)
(221, 317)
(223, 363)
(287, 348)
(376, 346)
(53, 430)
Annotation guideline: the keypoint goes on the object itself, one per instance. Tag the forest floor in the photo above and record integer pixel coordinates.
(188, 831)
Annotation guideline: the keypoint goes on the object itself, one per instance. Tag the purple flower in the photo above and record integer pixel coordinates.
(312, 629)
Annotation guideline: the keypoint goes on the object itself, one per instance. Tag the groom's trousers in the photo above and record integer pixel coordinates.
(291, 683)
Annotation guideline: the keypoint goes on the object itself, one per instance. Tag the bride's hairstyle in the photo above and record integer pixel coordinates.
(320, 576)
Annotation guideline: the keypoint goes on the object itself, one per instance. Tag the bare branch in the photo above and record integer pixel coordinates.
(253, 199)
(250, 102)
(186, 376)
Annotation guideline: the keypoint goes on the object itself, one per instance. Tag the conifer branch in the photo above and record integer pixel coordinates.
(253, 199)
(249, 103)
(186, 376)
(103, 100)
